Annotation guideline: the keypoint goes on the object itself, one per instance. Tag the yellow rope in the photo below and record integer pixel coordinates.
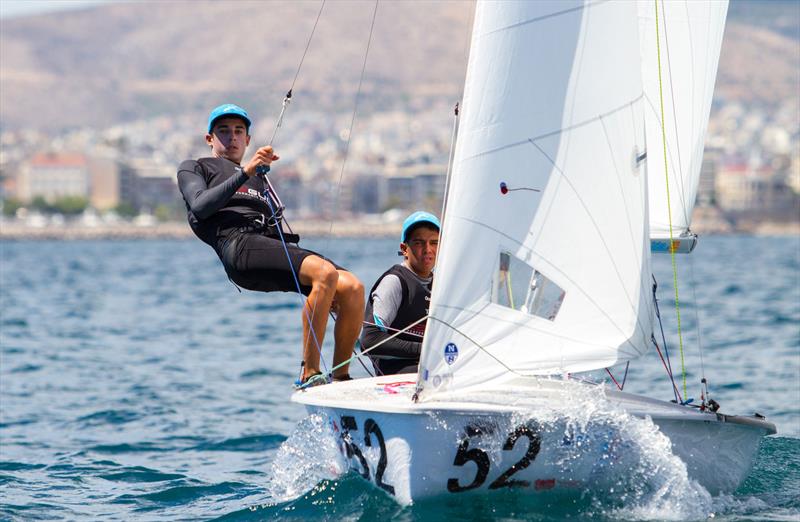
(669, 206)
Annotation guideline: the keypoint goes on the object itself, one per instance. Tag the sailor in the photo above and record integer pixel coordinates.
(401, 297)
(231, 209)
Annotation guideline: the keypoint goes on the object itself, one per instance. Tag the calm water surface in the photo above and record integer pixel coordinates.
(137, 383)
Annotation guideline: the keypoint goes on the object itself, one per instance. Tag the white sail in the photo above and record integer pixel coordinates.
(689, 38)
(553, 102)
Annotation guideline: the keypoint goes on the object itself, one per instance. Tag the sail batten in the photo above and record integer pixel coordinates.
(546, 279)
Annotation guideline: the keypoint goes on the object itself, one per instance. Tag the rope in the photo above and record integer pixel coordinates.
(669, 205)
(270, 195)
(624, 377)
(288, 98)
(365, 351)
(668, 363)
(450, 158)
(693, 281)
(353, 118)
(669, 372)
(303, 301)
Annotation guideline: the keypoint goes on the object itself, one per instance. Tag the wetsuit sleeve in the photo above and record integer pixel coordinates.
(386, 300)
(204, 201)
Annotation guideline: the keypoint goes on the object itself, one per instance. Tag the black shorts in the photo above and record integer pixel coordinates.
(257, 262)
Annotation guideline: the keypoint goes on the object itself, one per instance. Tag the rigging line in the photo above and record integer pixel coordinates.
(367, 323)
(367, 350)
(288, 98)
(562, 274)
(675, 391)
(304, 302)
(668, 363)
(353, 119)
(347, 148)
(480, 347)
(308, 44)
(613, 379)
(599, 232)
(693, 285)
(358, 345)
(450, 161)
(669, 208)
(555, 132)
(624, 377)
(679, 170)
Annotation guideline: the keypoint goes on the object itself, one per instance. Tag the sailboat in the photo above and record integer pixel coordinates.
(544, 266)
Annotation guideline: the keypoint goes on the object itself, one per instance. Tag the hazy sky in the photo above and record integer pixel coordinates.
(11, 8)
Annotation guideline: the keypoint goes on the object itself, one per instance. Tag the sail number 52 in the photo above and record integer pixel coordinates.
(465, 454)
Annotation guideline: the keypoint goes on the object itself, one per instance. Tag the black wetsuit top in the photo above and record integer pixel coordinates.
(221, 198)
(401, 354)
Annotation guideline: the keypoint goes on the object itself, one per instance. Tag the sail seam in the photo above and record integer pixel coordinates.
(598, 230)
(556, 132)
(545, 17)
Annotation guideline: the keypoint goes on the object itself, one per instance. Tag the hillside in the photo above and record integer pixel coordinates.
(119, 62)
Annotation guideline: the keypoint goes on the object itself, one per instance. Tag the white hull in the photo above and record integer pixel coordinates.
(536, 434)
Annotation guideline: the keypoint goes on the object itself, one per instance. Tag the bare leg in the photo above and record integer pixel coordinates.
(322, 276)
(350, 301)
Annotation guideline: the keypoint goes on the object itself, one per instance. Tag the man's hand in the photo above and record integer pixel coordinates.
(263, 156)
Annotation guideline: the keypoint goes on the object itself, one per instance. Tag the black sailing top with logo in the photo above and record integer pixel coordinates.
(221, 198)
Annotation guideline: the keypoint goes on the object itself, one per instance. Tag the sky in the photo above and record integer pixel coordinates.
(15, 8)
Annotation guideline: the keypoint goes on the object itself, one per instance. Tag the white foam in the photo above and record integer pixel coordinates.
(309, 456)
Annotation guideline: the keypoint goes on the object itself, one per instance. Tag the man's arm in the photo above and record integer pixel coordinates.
(204, 201)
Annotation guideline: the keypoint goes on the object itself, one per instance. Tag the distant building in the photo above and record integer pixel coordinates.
(153, 184)
(416, 187)
(104, 186)
(755, 191)
(53, 176)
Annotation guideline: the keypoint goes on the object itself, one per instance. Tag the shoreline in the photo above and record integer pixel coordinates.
(311, 229)
(178, 230)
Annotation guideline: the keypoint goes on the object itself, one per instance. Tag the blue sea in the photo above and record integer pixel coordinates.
(137, 383)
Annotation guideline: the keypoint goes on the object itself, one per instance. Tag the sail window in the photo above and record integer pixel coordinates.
(519, 286)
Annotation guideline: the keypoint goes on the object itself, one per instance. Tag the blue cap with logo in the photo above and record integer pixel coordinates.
(227, 109)
(415, 219)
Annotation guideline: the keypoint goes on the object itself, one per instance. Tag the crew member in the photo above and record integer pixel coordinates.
(400, 297)
(231, 209)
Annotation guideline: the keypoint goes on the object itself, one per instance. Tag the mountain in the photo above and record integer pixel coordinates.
(123, 61)
(119, 62)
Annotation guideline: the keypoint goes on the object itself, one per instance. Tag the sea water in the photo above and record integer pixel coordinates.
(137, 383)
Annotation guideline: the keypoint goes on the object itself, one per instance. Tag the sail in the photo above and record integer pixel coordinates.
(689, 41)
(544, 261)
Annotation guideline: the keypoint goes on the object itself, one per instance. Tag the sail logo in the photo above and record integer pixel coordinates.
(450, 353)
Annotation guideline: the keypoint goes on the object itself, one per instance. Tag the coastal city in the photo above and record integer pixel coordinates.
(122, 179)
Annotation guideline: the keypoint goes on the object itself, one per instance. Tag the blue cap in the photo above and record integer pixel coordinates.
(227, 109)
(415, 219)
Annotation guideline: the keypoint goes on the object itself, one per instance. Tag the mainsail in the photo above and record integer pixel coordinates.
(544, 266)
(689, 41)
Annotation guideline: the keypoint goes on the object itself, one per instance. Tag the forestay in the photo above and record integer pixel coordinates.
(557, 280)
(689, 37)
